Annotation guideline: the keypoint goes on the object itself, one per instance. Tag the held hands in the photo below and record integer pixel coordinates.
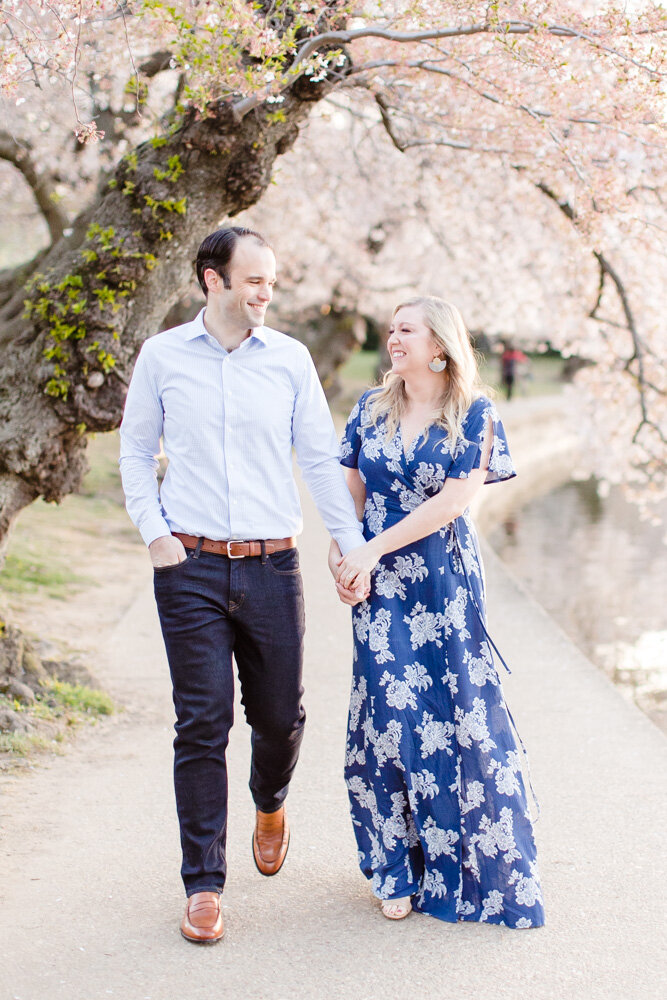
(166, 551)
(355, 569)
(353, 595)
(352, 574)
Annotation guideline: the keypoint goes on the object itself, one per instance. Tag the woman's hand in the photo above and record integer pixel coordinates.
(358, 565)
(348, 596)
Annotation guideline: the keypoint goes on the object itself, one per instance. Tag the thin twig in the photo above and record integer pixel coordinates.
(121, 8)
(76, 62)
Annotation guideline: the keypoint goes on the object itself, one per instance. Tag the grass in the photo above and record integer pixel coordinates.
(79, 698)
(43, 565)
(24, 745)
(360, 368)
(102, 481)
(98, 507)
(543, 377)
(36, 561)
(60, 707)
(28, 574)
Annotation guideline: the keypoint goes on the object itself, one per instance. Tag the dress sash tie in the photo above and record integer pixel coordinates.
(482, 622)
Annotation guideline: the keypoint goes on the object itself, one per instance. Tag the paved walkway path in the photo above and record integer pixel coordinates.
(90, 893)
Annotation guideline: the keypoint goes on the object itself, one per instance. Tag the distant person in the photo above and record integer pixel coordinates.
(510, 363)
(231, 397)
(433, 762)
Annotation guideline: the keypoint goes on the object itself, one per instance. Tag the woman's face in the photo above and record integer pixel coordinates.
(410, 343)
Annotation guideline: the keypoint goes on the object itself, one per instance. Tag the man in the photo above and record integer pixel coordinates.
(230, 397)
(510, 361)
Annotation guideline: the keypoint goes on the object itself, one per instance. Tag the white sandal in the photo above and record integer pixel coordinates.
(396, 909)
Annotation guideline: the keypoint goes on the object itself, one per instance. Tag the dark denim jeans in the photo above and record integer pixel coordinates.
(211, 607)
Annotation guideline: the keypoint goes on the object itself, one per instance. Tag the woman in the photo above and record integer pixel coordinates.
(432, 766)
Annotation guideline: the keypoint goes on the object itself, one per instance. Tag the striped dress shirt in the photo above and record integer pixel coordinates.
(228, 421)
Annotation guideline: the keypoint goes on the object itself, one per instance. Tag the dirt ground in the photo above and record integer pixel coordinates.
(89, 538)
(90, 895)
(72, 572)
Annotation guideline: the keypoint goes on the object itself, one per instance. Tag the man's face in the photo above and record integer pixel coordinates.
(252, 275)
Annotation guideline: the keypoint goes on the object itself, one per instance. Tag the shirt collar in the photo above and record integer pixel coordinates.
(196, 328)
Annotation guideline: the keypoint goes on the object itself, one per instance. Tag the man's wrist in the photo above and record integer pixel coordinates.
(158, 539)
(155, 527)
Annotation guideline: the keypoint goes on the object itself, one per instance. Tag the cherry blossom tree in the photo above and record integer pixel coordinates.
(373, 228)
(138, 126)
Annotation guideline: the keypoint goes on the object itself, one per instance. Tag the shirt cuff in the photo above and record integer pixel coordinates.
(154, 527)
(349, 539)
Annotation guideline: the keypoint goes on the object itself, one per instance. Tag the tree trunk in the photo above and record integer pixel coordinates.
(331, 335)
(96, 295)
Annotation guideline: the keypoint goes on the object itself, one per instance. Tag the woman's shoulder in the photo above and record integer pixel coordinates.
(369, 394)
(482, 406)
(362, 404)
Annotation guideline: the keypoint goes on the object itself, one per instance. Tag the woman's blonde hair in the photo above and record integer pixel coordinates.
(461, 383)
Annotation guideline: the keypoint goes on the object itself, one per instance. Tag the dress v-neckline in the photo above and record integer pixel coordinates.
(408, 453)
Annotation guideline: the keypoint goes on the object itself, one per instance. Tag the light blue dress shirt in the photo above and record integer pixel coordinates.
(228, 422)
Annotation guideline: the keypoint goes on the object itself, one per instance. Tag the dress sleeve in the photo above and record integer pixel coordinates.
(468, 452)
(350, 443)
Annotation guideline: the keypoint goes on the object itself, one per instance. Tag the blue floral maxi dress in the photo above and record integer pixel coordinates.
(438, 800)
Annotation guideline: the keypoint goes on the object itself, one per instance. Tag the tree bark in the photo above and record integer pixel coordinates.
(331, 335)
(97, 295)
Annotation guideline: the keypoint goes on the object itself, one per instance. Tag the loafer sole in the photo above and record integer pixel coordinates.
(196, 940)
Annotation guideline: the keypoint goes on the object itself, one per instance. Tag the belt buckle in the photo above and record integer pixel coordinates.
(235, 541)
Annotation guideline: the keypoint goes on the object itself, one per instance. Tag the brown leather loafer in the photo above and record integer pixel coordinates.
(202, 920)
(270, 841)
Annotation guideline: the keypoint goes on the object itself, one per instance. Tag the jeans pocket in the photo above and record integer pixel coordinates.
(284, 563)
(159, 570)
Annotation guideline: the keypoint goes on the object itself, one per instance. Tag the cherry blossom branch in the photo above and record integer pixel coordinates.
(331, 39)
(26, 55)
(28, 27)
(502, 28)
(383, 108)
(403, 144)
(427, 65)
(122, 9)
(20, 153)
(639, 351)
(620, 55)
(606, 269)
(56, 15)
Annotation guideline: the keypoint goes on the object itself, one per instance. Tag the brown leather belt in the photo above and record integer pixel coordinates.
(236, 550)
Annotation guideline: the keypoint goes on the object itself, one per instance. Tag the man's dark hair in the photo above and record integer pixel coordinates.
(217, 250)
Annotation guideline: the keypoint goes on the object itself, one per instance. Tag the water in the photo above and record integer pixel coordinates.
(602, 574)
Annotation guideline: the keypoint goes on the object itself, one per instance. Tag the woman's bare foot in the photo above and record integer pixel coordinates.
(396, 909)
